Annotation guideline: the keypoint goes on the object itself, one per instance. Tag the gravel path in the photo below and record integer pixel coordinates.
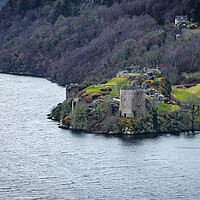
(116, 90)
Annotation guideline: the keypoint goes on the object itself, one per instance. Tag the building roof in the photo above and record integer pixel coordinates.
(181, 19)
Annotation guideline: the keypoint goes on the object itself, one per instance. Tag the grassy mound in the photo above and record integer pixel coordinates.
(119, 82)
(104, 89)
(187, 95)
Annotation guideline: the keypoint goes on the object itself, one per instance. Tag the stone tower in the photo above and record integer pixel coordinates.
(71, 90)
(132, 101)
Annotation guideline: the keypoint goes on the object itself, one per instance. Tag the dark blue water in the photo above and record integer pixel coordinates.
(40, 161)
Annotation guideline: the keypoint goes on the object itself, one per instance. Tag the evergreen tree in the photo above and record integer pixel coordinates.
(197, 13)
(24, 5)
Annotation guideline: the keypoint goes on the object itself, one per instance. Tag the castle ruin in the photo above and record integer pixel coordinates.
(132, 101)
(71, 90)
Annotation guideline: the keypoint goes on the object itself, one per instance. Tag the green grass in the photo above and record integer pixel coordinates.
(183, 95)
(195, 89)
(118, 80)
(130, 74)
(191, 75)
(92, 89)
(112, 94)
(168, 108)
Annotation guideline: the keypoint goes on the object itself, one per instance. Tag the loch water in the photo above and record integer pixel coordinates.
(40, 161)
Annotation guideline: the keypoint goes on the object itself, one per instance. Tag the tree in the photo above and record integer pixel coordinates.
(197, 13)
(155, 118)
(194, 109)
(24, 4)
(79, 117)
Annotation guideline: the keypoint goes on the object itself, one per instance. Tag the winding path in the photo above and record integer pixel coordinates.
(116, 90)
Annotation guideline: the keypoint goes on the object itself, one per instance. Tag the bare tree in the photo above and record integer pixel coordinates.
(194, 109)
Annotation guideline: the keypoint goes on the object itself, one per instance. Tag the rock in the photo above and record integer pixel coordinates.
(96, 102)
(107, 97)
(114, 106)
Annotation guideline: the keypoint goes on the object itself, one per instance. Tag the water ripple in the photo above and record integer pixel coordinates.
(40, 161)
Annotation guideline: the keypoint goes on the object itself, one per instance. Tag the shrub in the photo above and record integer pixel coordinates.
(79, 117)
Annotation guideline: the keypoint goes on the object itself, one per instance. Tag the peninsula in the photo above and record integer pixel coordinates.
(137, 101)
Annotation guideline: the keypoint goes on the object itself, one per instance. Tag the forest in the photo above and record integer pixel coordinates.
(89, 41)
(2, 3)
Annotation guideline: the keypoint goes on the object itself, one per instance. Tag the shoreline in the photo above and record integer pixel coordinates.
(145, 134)
(21, 74)
(31, 75)
(177, 133)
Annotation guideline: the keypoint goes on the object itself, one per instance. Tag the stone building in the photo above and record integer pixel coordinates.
(123, 74)
(132, 101)
(71, 90)
(134, 69)
(129, 71)
(181, 20)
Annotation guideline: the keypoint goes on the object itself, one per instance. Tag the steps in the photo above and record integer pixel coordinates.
(116, 90)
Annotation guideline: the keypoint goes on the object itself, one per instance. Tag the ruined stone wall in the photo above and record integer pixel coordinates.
(71, 91)
(126, 103)
(132, 101)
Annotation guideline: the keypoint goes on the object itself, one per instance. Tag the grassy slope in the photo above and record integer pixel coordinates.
(94, 89)
(182, 95)
(191, 75)
(167, 108)
(119, 81)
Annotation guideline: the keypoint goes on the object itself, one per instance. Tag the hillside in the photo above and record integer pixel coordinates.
(2, 3)
(89, 41)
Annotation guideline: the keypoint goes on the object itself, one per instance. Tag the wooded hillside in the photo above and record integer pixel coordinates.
(88, 41)
(2, 2)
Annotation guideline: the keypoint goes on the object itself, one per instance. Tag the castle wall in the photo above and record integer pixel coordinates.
(132, 101)
(126, 103)
(71, 90)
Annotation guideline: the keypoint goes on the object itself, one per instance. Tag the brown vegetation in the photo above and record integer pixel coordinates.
(76, 42)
